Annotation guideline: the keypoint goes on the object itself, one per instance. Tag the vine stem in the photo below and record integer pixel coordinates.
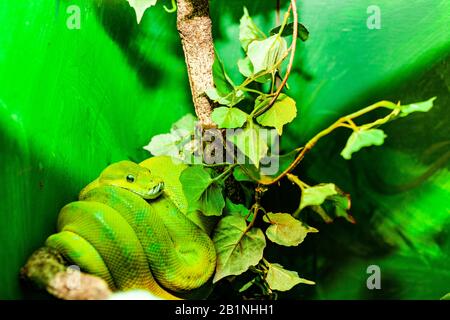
(224, 175)
(252, 78)
(341, 122)
(291, 61)
(173, 9)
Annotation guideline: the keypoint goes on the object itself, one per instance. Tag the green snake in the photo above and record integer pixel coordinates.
(131, 228)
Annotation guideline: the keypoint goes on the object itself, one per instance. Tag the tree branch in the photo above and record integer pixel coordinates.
(195, 29)
(47, 269)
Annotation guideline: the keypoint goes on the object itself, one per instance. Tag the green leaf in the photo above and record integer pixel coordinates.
(342, 203)
(224, 91)
(222, 81)
(247, 286)
(334, 206)
(446, 297)
(164, 145)
(282, 112)
(201, 191)
(251, 142)
(285, 230)
(362, 138)
(248, 31)
(288, 30)
(250, 173)
(240, 175)
(262, 101)
(281, 279)
(246, 69)
(322, 213)
(176, 143)
(315, 196)
(211, 202)
(236, 209)
(236, 250)
(229, 117)
(140, 6)
(423, 106)
(230, 99)
(265, 54)
(187, 123)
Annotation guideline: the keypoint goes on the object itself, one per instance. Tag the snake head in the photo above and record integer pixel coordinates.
(133, 177)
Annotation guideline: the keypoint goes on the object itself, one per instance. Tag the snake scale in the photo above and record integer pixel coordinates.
(131, 228)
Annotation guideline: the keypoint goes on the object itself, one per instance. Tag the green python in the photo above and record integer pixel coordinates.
(132, 228)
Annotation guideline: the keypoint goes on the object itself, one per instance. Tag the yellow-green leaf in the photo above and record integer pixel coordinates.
(281, 279)
(246, 69)
(236, 250)
(229, 117)
(282, 112)
(285, 230)
(222, 81)
(230, 99)
(201, 191)
(248, 31)
(265, 54)
(252, 142)
(316, 195)
(362, 138)
(176, 144)
(423, 106)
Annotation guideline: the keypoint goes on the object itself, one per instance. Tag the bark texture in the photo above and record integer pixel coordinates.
(47, 269)
(195, 29)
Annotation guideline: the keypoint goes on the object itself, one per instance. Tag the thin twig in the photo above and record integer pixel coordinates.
(340, 123)
(291, 61)
(277, 14)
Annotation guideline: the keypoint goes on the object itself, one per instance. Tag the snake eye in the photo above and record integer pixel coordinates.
(130, 178)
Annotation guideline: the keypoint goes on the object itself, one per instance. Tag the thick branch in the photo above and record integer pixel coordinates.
(47, 269)
(195, 29)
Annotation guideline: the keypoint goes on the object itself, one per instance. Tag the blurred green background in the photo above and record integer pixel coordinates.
(73, 101)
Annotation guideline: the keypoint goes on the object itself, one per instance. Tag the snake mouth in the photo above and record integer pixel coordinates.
(155, 191)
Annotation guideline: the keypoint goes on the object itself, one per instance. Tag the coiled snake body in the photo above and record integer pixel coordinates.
(130, 228)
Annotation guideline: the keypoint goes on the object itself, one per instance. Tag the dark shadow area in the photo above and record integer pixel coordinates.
(391, 288)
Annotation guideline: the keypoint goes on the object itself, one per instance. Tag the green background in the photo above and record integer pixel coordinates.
(73, 101)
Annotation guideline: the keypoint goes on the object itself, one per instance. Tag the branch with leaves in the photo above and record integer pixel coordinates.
(261, 102)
